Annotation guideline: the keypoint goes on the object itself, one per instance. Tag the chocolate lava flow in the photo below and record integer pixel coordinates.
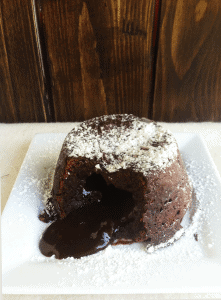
(91, 228)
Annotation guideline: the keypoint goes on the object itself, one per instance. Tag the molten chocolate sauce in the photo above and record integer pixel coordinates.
(91, 228)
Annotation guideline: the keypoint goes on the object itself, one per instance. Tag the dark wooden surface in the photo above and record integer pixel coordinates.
(188, 70)
(21, 80)
(99, 56)
(7, 108)
(65, 60)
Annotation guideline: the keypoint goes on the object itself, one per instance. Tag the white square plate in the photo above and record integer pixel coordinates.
(191, 264)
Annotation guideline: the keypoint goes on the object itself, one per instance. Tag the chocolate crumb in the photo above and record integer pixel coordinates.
(196, 236)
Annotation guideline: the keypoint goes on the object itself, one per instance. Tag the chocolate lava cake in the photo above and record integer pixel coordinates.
(119, 179)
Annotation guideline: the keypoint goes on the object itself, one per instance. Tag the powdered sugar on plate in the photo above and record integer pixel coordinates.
(137, 264)
(117, 267)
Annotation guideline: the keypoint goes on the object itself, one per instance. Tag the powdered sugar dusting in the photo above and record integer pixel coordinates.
(136, 264)
(204, 183)
(122, 141)
(116, 266)
(131, 266)
(46, 184)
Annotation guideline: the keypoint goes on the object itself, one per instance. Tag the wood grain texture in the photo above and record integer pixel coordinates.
(99, 55)
(7, 109)
(22, 86)
(188, 70)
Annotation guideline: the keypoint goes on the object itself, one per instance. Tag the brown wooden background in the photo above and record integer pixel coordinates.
(70, 60)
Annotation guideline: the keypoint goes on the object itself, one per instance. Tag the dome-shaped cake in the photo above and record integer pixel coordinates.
(119, 179)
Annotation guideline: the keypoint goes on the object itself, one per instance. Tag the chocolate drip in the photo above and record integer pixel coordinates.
(90, 228)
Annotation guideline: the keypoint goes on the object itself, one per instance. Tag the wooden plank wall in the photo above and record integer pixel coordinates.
(72, 60)
(188, 69)
(99, 54)
(21, 80)
(90, 60)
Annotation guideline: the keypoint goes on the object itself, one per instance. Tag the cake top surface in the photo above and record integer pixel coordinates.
(122, 141)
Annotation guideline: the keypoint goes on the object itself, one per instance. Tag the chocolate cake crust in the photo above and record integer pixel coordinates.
(121, 163)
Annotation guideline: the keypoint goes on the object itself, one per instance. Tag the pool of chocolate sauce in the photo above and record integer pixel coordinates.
(90, 228)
